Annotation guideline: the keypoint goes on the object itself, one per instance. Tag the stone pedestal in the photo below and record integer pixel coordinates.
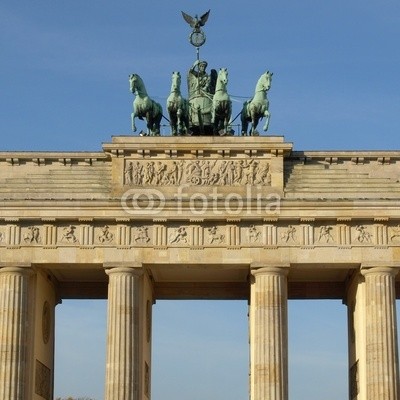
(268, 335)
(122, 368)
(14, 283)
(382, 373)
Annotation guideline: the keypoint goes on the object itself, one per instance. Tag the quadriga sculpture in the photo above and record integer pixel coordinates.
(178, 107)
(144, 107)
(222, 104)
(255, 109)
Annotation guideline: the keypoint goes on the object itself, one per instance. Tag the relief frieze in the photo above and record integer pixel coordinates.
(198, 233)
(198, 173)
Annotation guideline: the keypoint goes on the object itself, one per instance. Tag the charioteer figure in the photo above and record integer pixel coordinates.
(201, 89)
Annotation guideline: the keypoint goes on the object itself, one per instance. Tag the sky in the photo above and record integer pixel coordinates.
(64, 86)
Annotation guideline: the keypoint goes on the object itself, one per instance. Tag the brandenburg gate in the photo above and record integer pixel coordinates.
(198, 217)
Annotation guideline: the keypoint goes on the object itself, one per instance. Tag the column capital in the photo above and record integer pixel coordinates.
(121, 264)
(132, 270)
(265, 269)
(16, 269)
(379, 270)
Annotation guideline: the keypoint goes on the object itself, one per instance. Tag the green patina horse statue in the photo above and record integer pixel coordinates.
(178, 107)
(222, 104)
(255, 109)
(144, 107)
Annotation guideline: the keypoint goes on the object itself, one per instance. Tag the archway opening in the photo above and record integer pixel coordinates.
(318, 350)
(80, 349)
(200, 350)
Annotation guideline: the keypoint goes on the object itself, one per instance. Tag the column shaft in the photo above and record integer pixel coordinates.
(268, 337)
(14, 284)
(382, 380)
(122, 353)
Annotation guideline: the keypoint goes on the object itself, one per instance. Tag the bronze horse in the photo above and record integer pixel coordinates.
(144, 107)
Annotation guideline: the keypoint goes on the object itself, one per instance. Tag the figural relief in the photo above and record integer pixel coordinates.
(68, 234)
(105, 236)
(179, 235)
(325, 234)
(198, 172)
(363, 236)
(395, 232)
(33, 235)
(254, 234)
(141, 235)
(214, 237)
(289, 235)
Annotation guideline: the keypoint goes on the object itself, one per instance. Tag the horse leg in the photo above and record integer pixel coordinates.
(173, 123)
(244, 122)
(228, 116)
(178, 128)
(149, 124)
(133, 122)
(266, 115)
(226, 123)
(254, 123)
(213, 115)
(157, 123)
(185, 126)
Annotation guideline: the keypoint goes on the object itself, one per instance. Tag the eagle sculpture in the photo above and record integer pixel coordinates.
(196, 22)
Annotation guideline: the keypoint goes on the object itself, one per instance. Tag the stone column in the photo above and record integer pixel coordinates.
(122, 369)
(382, 369)
(268, 335)
(14, 283)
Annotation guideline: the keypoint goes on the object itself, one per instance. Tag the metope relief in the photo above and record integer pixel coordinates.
(32, 236)
(289, 234)
(362, 234)
(178, 235)
(68, 235)
(394, 233)
(214, 236)
(105, 235)
(254, 234)
(141, 235)
(198, 173)
(325, 234)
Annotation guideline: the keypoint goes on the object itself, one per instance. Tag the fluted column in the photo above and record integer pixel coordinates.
(122, 335)
(14, 282)
(268, 335)
(382, 370)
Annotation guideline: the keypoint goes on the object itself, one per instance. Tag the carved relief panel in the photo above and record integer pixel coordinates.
(203, 172)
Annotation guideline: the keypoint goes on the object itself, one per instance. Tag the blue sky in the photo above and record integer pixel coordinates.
(64, 77)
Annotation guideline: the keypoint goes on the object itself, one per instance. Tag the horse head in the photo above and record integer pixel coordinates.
(135, 83)
(223, 75)
(266, 80)
(176, 81)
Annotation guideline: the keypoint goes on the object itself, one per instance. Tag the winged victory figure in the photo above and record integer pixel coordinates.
(195, 22)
